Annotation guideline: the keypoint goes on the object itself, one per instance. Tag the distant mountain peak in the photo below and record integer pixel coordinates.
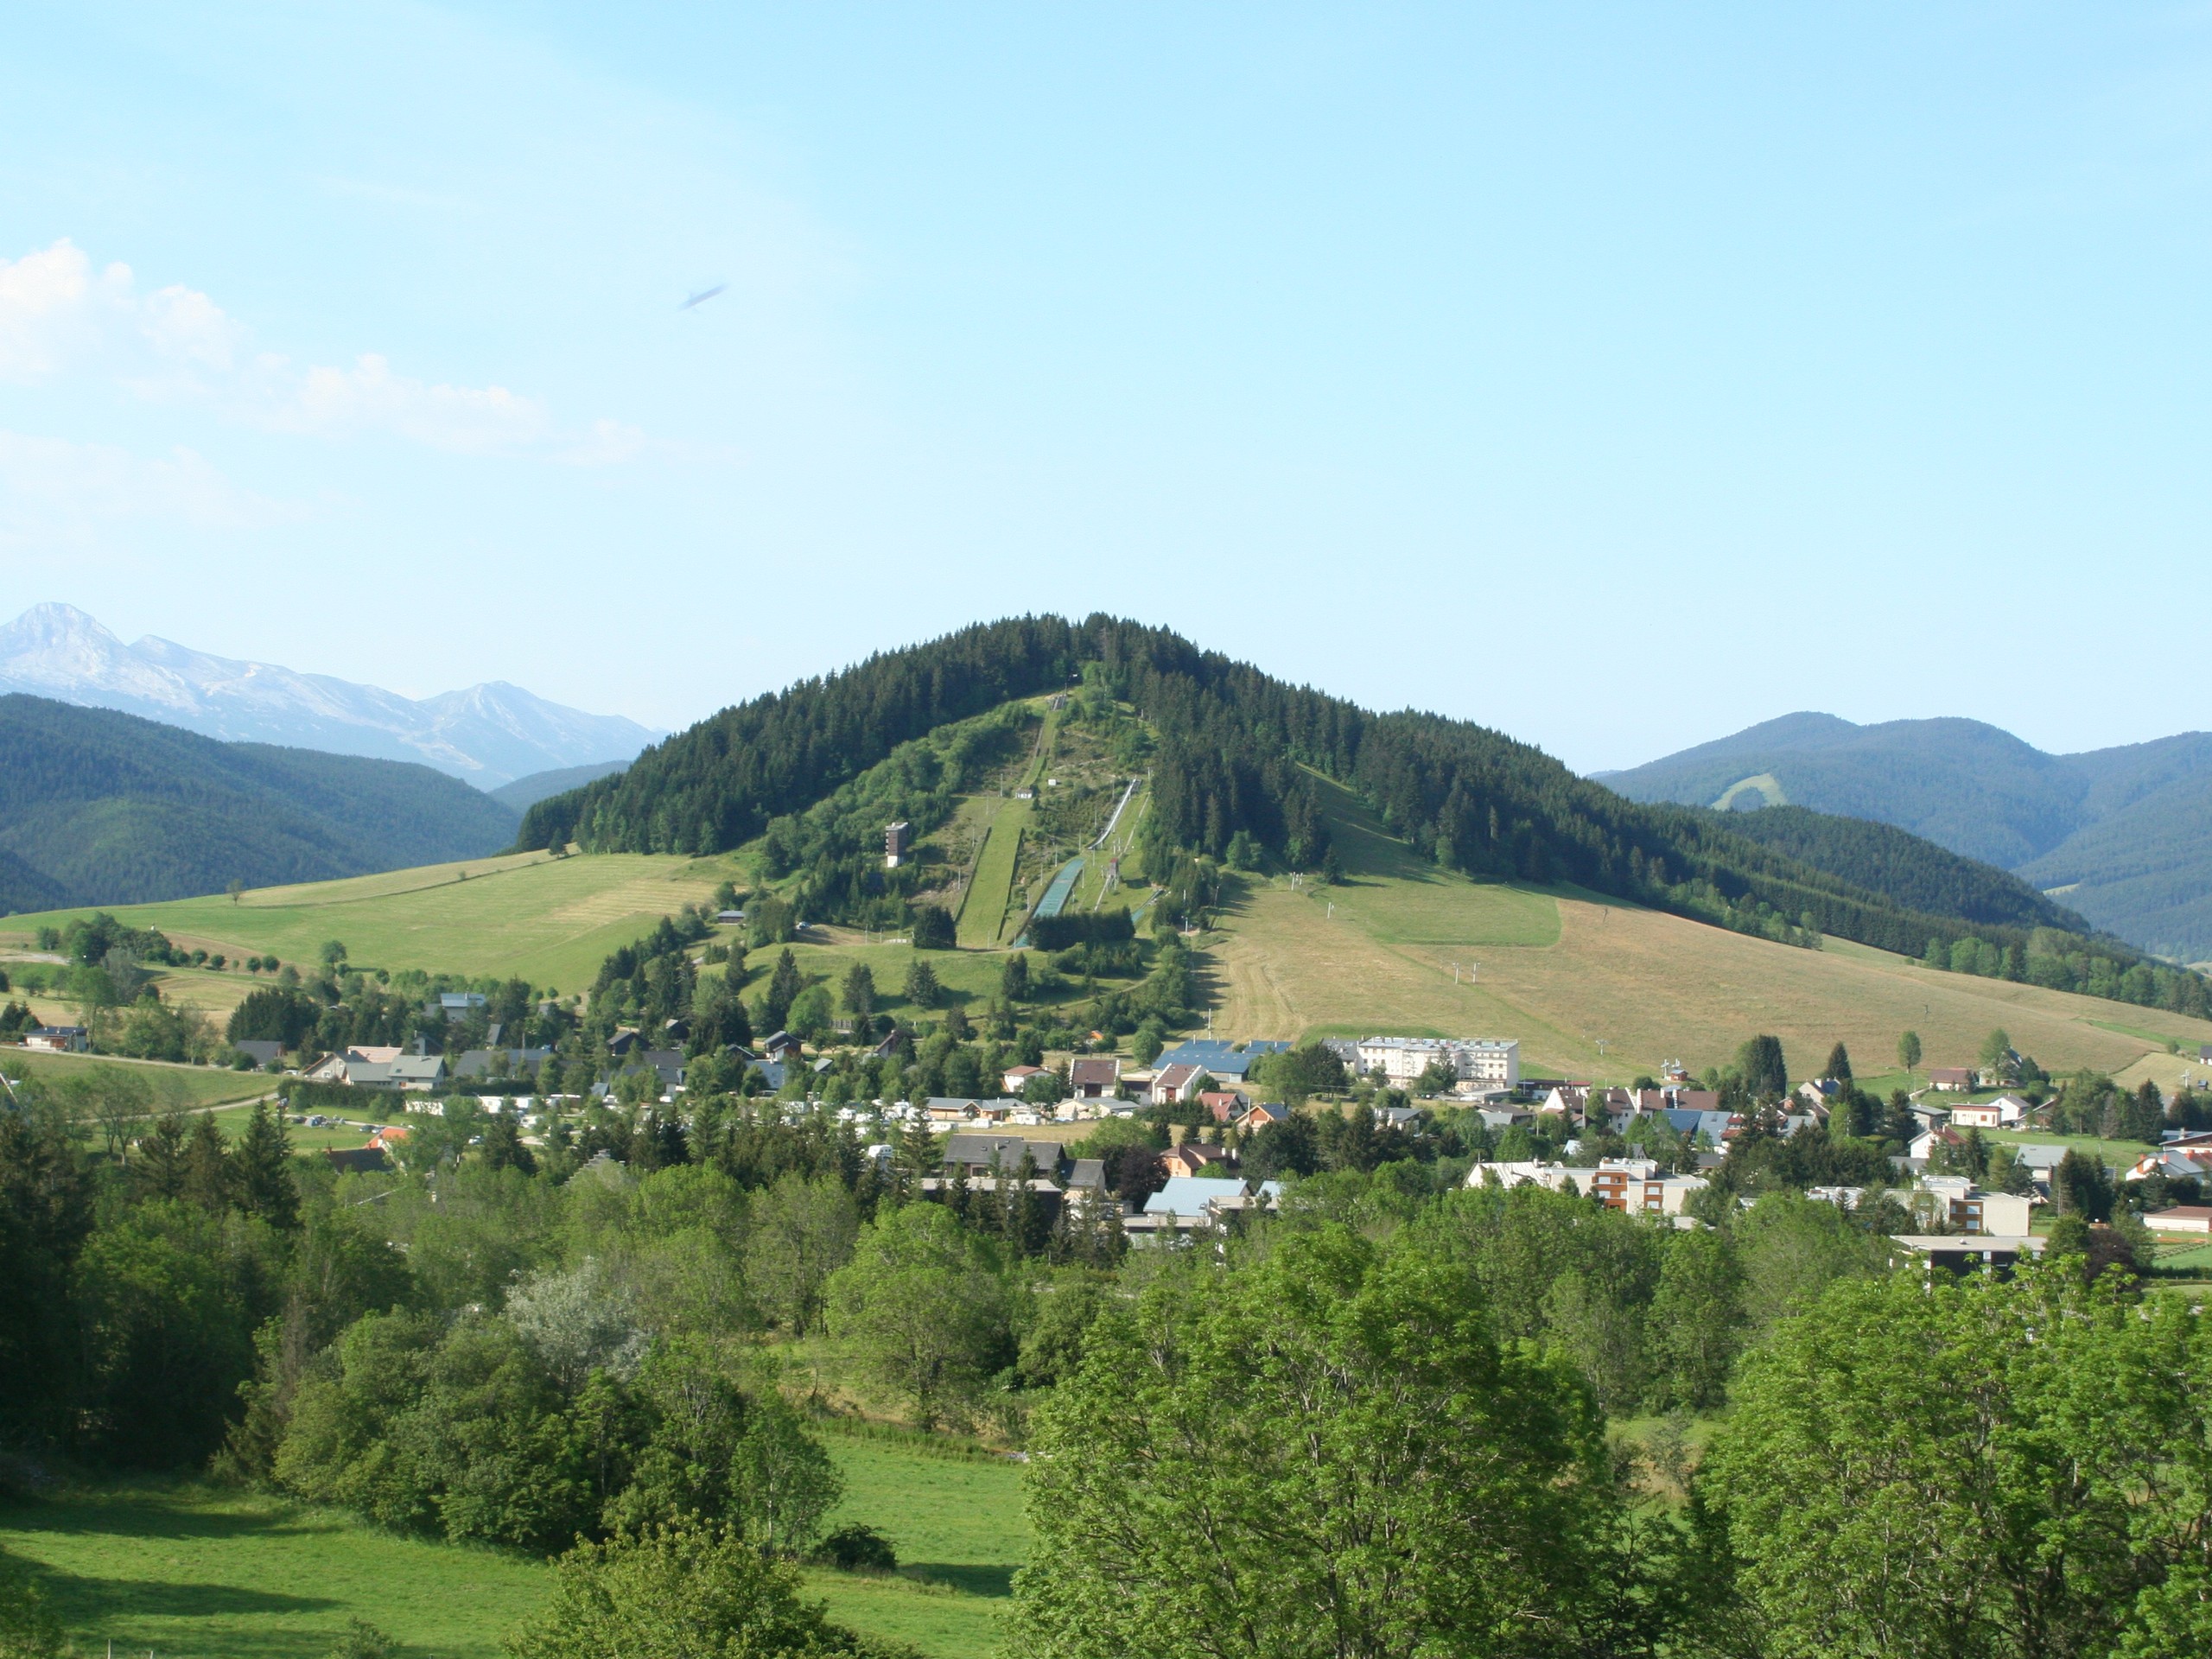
(487, 735)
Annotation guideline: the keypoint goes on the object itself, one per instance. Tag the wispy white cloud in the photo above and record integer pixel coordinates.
(52, 490)
(59, 316)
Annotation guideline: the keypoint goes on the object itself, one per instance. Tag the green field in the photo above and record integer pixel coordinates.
(1593, 986)
(186, 1570)
(187, 1086)
(958, 1528)
(551, 921)
(990, 895)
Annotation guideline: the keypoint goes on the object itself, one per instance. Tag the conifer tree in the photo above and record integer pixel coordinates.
(783, 986)
(162, 1165)
(207, 1174)
(262, 1170)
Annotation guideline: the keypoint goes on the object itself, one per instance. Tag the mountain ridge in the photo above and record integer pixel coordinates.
(489, 734)
(98, 807)
(2126, 830)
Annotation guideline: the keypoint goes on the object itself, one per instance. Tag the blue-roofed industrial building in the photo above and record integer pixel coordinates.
(1218, 1057)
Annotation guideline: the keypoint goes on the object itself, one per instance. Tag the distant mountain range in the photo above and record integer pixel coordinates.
(100, 808)
(488, 735)
(2122, 835)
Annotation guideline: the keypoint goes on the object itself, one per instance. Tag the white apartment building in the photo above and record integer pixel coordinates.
(1488, 1061)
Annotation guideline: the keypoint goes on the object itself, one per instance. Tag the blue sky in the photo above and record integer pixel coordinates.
(1617, 377)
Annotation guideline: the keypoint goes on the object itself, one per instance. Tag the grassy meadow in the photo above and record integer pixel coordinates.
(190, 1570)
(187, 1086)
(547, 920)
(1593, 986)
(985, 907)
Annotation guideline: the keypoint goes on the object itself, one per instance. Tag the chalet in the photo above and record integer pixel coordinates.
(416, 1072)
(1923, 1146)
(2003, 1113)
(2176, 1161)
(1093, 1076)
(1954, 1079)
(1564, 1100)
(1689, 1122)
(1174, 1082)
(1088, 1178)
(1404, 1118)
(460, 1004)
(1017, 1077)
(974, 1154)
(496, 1062)
(262, 1054)
(1221, 1105)
(781, 1046)
(1194, 1158)
(357, 1161)
(1259, 1117)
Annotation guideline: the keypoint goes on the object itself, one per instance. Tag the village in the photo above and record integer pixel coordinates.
(1209, 1103)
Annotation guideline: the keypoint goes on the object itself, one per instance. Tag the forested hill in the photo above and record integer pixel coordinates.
(2121, 829)
(1909, 871)
(1236, 752)
(100, 808)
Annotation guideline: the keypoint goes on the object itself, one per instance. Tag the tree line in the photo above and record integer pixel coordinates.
(1238, 756)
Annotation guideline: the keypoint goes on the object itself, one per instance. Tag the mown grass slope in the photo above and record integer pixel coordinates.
(547, 920)
(1567, 971)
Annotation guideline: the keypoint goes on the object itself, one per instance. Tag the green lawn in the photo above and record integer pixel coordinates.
(185, 1570)
(959, 1530)
(188, 1571)
(187, 1086)
(551, 921)
(2118, 1153)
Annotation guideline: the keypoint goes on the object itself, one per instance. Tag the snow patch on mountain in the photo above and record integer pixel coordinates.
(487, 735)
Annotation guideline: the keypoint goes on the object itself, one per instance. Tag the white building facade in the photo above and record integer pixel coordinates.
(1492, 1063)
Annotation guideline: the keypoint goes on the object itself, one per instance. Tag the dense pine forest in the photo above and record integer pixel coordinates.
(1239, 751)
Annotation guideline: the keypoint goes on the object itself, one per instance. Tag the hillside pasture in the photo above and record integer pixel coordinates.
(1646, 986)
(530, 915)
(187, 1087)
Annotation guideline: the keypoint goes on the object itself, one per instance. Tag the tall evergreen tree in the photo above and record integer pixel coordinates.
(921, 988)
(783, 986)
(162, 1164)
(263, 1169)
(1839, 1065)
(208, 1178)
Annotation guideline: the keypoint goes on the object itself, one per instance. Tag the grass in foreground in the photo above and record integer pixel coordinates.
(189, 1571)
